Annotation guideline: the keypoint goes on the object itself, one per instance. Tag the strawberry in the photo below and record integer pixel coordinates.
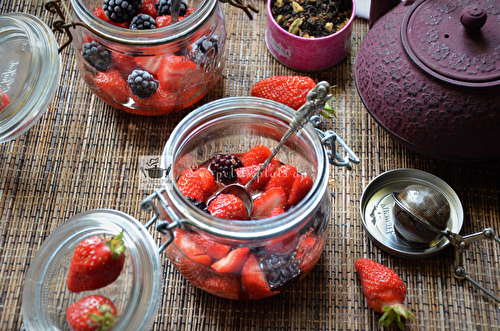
(233, 262)
(225, 286)
(302, 184)
(99, 13)
(150, 63)
(91, 313)
(96, 262)
(166, 20)
(4, 101)
(187, 245)
(245, 174)
(213, 249)
(160, 103)
(190, 185)
(283, 177)
(289, 90)
(228, 206)
(284, 246)
(265, 203)
(309, 251)
(112, 84)
(208, 184)
(148, 7)
(253, 279)
(256, 155)
(178, 74)
(384, 291)
(189, 11)
(277, 211)
(125, 64)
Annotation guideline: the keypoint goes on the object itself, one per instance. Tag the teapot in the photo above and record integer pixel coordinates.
(428, 71)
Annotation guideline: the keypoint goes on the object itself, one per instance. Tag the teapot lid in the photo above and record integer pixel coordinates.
(459, 45)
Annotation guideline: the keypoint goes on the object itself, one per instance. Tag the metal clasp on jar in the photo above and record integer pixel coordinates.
(329, 139)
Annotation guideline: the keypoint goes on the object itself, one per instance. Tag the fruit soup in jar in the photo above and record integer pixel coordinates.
(215, 244)
(138, 57)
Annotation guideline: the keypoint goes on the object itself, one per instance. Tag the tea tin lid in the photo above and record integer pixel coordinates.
(29, 71)
(377, 213)
(136, 293)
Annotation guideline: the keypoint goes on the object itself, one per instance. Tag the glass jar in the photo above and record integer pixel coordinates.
(282, 249)
(136, 293)
(185, 59)
(29, 72)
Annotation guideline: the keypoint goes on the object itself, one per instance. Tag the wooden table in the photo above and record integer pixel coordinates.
(82, 155)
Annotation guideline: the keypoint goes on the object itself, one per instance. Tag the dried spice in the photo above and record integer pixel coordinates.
(311, 18)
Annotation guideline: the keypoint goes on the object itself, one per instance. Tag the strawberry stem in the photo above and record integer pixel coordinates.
(116, 245)
(395, 312)
(106, 321)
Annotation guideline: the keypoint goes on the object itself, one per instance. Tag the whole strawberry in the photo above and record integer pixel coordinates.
(96, 262)
(288, 90)
(91, 313)
(384, 291)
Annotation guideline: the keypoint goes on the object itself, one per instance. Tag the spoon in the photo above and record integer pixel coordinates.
(316, 100)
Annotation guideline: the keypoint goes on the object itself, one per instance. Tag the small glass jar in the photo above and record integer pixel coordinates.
(281, 249)
(29, 72)
(186, 58)
(136, 293)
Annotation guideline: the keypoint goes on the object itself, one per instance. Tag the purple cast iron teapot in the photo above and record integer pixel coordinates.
(428, 71)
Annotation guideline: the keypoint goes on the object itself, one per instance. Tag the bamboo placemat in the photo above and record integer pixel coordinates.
(83, 154)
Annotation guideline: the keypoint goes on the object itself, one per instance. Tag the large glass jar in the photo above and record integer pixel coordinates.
(278, 250)
(185, 59)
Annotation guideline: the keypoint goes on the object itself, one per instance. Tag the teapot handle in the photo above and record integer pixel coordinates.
(379, 8)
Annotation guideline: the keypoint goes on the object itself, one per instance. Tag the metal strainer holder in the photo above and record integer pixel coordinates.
(461, 244)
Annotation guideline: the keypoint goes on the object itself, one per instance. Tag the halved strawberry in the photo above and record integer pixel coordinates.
(177, 74)
(256, 155)
(309, 251)
(265, 203)
(99, 13)
(208, 184)
(184, 242)
(165, 20)
(253, 279)
(245, 174)
(301, 186)
(189, 11)
(213, 249)
(190, 185)
(285, 246)
(112, 84)
(233, 262)
(277, 211)
(225, 286)
(228, 206)
(4, 101)
(283, 177)
(148, 7)
(159, 103)
(125, 64)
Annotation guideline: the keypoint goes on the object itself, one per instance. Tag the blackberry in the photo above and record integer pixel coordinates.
(202, 46)
(143, 22)
(202, 205)
(121, 11)
(142, 83)
(280, 269)
(96, 55)
(164, 7)
(223, 166)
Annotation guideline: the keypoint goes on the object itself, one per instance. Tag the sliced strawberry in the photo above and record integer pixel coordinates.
(213, 249)
(112, 84)
(228, 206)
(4, 101)
(285, 246)
(165, 20)
(253, 279)
(277, 211)
(226, 286)
(309, 252)
(178, 75)
(99, 13)
(184, 242)
(256, 155)
(283, 177)
(190, 185)
(301, 186)
(148, 7)
(233, 262)
(160, 103)
(150, 63)
(189, 11)
(208, 184)
(125, 64)
(245, 174)
(265, 203)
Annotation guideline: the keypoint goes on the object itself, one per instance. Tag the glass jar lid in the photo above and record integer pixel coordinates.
(136, 293)
(29, 71)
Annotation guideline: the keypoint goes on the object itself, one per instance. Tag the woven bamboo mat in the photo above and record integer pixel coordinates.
(83, 154)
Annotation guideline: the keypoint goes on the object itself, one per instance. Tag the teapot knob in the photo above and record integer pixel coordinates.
(473, 17)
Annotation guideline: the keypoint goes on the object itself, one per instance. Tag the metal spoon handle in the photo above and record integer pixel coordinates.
(317, 97)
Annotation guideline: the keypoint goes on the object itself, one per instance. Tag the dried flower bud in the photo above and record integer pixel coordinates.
(329, 26)
(297, 7)
(295, 27)
(278, 3)
(280, 19)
